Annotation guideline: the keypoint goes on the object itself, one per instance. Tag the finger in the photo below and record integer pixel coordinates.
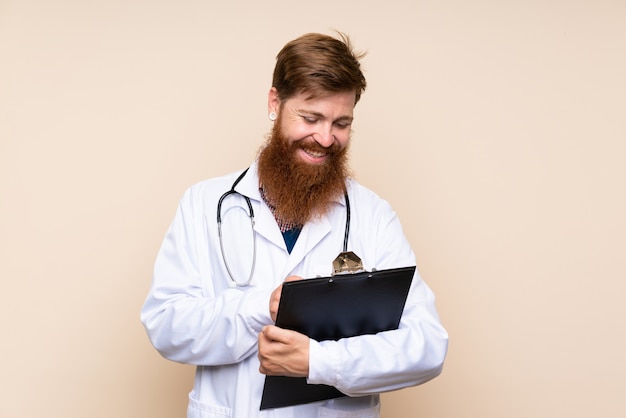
(274, 302)
(268, 333)
(284, 336)
(276, 334)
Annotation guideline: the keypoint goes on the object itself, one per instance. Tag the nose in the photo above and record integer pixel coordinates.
(324, 136)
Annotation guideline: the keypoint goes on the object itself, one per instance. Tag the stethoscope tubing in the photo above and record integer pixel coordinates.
(232, 191)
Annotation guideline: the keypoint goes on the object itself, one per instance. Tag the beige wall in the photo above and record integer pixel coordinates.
(497, 129)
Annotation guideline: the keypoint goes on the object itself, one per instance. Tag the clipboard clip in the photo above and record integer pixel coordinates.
(347, 262)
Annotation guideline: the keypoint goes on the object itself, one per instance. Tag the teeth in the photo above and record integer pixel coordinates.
(315, 154)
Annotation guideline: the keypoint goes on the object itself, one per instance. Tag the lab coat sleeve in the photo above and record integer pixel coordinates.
(390, 360)
(184, 318)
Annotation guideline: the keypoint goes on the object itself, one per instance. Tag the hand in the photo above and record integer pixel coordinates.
(275, 297)
(283, 352)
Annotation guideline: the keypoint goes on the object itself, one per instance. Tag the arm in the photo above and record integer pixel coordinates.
(185, 318)
(410, 355)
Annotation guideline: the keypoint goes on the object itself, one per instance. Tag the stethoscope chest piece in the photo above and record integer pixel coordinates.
(347, 262)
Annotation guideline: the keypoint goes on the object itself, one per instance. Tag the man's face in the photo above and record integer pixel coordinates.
(303, 167)
(316, 126)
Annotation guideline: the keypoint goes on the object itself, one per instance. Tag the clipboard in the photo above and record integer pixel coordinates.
(331, 308)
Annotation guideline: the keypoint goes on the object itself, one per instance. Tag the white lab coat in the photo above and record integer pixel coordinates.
(192, 315)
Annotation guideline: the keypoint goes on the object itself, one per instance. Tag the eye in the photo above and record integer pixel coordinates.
(309, 119)
(342, 125)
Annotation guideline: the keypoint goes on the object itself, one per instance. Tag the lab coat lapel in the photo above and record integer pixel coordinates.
(267, 227)
(311, 235)
(264, 222)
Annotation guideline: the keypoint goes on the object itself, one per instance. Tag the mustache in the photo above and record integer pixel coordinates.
(309, 144)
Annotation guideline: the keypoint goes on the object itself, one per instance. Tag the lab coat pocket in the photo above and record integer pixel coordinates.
(370, 412)
(197, 409)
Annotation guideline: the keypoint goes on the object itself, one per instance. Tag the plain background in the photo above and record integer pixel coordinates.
(497, 130)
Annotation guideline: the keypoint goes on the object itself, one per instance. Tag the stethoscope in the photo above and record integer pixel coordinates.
(248, 282)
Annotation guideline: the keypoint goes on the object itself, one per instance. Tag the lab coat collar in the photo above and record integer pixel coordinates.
(249, 184)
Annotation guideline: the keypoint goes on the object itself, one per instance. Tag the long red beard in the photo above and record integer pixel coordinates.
(300, 191)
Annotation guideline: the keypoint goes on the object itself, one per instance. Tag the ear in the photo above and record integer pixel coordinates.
(273, 101)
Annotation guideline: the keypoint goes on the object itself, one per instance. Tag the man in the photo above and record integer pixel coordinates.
(215, 293)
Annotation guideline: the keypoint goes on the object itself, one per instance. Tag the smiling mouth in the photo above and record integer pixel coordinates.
(315, 153)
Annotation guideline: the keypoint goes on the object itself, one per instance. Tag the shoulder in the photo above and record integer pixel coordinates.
(367, 206)
(362, 194)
